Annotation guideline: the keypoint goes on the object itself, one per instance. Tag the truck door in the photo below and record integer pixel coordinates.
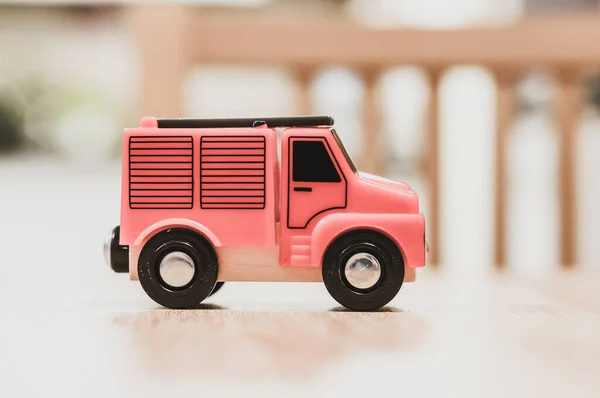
(316, 183)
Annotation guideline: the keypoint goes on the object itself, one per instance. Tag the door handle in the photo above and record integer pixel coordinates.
(302, 189)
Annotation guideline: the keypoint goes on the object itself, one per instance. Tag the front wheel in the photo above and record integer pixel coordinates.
(178, 269)
(363, 270)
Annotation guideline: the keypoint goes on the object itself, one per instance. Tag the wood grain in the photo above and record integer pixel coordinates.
(69, 327)
(452, 335)
(261, 264)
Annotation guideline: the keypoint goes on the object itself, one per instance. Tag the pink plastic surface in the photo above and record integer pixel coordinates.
(228, 185)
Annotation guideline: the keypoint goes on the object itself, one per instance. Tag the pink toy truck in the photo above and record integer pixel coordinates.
(206, 201)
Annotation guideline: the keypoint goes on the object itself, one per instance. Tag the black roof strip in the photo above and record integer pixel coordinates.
(298, 121)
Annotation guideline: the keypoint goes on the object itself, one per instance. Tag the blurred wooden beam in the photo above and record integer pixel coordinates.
(254, 37)
(567, 112)
(432, 165)
(165, 47)
(505, 112)
(371, 156)
(304, 77)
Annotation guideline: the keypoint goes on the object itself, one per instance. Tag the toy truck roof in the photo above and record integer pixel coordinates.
(296, 121)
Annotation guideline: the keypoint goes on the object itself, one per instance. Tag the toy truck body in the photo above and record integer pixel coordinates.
(206, 201)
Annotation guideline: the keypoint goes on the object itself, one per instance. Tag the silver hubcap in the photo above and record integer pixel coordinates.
(362, 270)
(177, 269)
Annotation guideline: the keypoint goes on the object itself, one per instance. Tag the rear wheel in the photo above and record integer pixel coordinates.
(363, 270)
(178, 268)
(217, 287)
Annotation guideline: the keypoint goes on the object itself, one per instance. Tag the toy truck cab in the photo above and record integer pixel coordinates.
(205, 201)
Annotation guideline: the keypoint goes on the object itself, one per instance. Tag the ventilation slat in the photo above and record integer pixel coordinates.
(161, 145)
(232, 145)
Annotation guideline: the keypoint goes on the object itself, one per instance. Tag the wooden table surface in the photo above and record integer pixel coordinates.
(71, 327)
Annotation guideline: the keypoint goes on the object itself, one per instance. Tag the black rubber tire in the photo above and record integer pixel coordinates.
(217, 287)
(205, 261)
(392, 267)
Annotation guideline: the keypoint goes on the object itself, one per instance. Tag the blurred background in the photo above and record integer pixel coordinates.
(488, 108)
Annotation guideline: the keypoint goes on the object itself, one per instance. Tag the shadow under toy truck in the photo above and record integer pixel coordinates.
(206, 201)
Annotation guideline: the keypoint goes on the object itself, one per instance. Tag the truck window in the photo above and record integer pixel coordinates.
(312, 163)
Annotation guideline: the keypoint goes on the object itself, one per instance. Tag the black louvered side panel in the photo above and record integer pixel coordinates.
(161, 172)
(232, 172)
